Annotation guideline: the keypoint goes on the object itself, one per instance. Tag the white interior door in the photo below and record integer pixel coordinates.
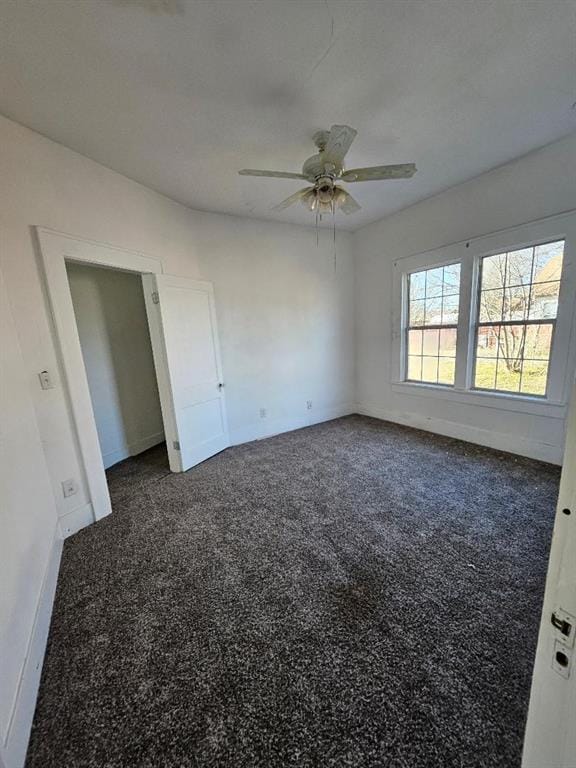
(551, 728)
(184, 334)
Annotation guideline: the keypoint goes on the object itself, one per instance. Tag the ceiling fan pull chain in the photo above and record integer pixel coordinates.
(334, 231)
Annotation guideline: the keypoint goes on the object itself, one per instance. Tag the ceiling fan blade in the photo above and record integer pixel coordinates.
(271, 174)
(339, 142)
(380, 172)
(349, 205)
(302, 193)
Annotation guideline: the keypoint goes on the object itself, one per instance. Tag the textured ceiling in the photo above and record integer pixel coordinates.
(181, 94)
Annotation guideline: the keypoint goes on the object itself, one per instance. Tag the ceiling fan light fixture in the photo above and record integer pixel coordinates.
(325, 189)
(339, 196)
(311, 202)
(326, 167)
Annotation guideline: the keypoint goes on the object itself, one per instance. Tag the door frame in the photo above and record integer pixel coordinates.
(549, 738)
(56, 248)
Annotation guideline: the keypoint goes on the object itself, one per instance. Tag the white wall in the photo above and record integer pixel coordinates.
(537, 185)
(285, 315)
(113, 330)
(28, 542)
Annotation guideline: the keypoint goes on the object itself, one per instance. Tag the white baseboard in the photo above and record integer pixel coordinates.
(78, 518)
(269, 427)
(131, 449)
(13, 752)
(501, 441)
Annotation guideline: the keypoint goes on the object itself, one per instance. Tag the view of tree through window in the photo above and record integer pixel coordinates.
(432, 324)
(517, 312)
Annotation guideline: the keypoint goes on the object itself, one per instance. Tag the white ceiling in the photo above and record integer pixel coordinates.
(181, 94)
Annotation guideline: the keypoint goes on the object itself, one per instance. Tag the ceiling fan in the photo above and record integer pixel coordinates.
(326, 168)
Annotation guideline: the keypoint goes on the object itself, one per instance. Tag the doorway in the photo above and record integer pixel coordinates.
(183, 335)
(113, 330)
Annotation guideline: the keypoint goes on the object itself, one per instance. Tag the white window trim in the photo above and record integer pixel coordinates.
(469, 253)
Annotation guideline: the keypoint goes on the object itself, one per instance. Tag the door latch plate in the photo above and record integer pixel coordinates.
(562, 659)
(564, 624)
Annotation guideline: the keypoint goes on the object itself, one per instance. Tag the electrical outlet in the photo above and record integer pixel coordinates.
(309, 405)
(69, 487)
(263, 413)
(45, 380)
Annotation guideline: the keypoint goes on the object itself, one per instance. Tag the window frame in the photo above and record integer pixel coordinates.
(470, 253)
(408, 327)
(527, 321)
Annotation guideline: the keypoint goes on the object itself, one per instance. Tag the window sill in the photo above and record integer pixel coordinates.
(534, 406)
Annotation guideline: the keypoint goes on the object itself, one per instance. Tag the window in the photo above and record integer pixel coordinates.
(492, 321)
(434, 296)
(517, 310)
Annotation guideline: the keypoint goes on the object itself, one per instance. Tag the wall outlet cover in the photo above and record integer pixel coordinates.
(69, 487)
(46, 380)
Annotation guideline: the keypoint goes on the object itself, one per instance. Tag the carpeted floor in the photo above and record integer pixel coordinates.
(352, 594)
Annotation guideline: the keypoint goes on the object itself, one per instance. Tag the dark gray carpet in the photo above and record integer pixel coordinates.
(352, 594)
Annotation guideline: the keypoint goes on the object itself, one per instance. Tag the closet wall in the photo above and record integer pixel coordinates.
(113, 329)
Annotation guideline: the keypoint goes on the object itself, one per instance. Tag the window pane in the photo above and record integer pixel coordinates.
(416, 312)
(544, 301)
(538, 342)
(485, 377)
(487, 341)
(511, 342)
(433, 311)
(448, 342)
(519, 267)
(515, 287)
(451, 280)
(450, 310)
(431, 342)
(491, 305)
(548, 262)
(415, 342)
(516, 303)
(534, 377)
(433, 301)
(414, 368)
(417, 285)
(522, 354)
(508, 375)
(446, 370)
(434, 281)
(430, 369)
(494, 271)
